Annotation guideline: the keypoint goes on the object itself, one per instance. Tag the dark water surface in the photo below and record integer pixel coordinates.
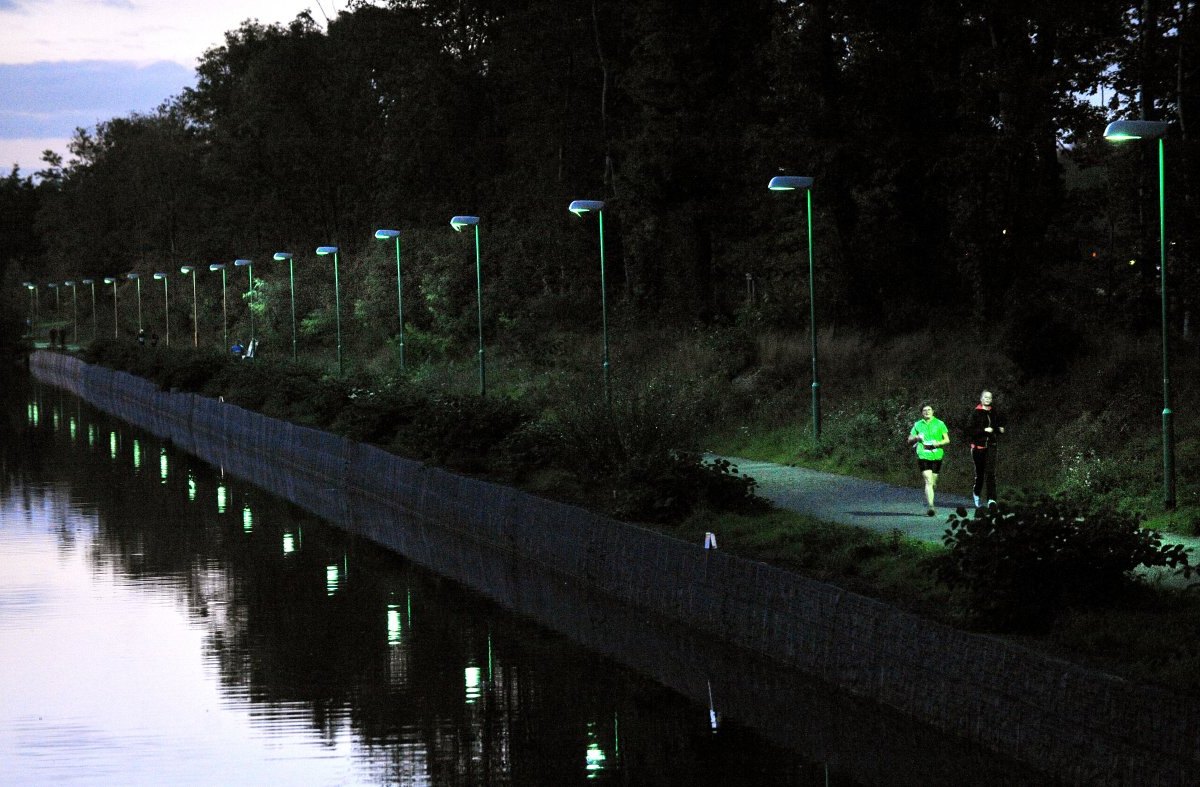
(163, 623)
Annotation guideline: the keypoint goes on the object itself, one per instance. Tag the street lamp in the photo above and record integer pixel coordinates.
(137, 279)
(32, 304)
(220, 266)
(74, 311)
(187, 270)
(337, 298)
(384, 235)
(166, 305)
(54, 286)
(792, 183)
(580, 207)
(92, 283)
(287, 255)
(249, 293)
(113, 282)
(1119, 131)
(458, 222)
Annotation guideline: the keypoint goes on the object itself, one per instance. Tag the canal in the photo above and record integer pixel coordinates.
(162, 622)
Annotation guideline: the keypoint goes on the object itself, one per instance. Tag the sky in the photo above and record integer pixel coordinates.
(71, 63)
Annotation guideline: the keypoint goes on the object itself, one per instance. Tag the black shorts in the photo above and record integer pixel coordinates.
(930, 464)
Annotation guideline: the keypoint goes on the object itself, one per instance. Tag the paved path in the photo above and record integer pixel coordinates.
(874, 504)
(851, 501)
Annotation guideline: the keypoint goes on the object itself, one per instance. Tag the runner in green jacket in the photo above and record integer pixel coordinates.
(930, 436)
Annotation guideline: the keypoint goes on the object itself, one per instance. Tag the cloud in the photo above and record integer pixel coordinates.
(143, 31)
(52, 99)
(27, 153)
(41, 104)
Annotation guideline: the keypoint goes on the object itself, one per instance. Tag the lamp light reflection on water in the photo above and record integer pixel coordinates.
(112, 444)
(162, 464)
(220, 498)
(91, 436)
(54, 420)
(247, 519)
(332, 578)
(137, 455)
(595, 758)
(471, 678)
(289, 544)
(191, 488)
(72, 426)
(395, 626)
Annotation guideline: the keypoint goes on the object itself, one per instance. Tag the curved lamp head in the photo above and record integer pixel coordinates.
(324, 250)
(240, 263)
(186, 269)
(217, 266)
(789, 183)
(87, 281)
(1121, 130)
(458, 222)
(582, 206)
(68, 284)
(29, 285)
(283, 255)
(160, 275)
(52, 285)
(110, 280)
(385, 234)
(131, 276)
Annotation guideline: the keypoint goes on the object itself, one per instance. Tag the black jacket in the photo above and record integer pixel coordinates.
(981, 418)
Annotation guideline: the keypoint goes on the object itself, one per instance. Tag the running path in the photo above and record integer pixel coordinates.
(850, 501)
(875, 505)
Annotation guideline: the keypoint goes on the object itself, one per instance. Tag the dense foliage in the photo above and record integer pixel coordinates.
(956, 157)
(1021, 566)
(630, 458)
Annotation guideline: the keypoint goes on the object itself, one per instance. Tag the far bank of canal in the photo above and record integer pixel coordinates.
(1083, 726)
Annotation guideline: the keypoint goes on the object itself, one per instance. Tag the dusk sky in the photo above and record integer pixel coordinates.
(71, 63)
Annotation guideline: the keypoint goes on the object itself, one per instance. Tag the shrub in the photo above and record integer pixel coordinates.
(1019, 567)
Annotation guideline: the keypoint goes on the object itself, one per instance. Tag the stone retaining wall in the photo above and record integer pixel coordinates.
(1086, 727)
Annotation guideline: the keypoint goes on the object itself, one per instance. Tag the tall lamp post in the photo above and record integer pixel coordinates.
(116, 330)
(580, 207)
(1120, 131)
(54, 286)
(138, 280)
(92, 283)
(792, 183)
(190, 270)
(458, 222)
(323, 251)
(384, 235)
(32, 304)
(287, 255)
(249, 292)
(74, 311)
(160, 276)
(220, 266)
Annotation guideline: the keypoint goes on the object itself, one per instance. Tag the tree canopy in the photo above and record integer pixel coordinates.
(955, 148)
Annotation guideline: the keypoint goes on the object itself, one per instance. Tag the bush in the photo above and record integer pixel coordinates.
(1019, 567)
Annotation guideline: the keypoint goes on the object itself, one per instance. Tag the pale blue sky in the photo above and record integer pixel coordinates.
(71, 63)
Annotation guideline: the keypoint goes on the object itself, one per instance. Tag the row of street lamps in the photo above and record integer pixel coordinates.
(1116, 131)
(458, 223)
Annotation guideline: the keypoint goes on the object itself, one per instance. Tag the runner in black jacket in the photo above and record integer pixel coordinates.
(986, 425)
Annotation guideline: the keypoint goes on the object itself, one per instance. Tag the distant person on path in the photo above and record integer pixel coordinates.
(237, 348)
(984, 430)
(930, 436)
